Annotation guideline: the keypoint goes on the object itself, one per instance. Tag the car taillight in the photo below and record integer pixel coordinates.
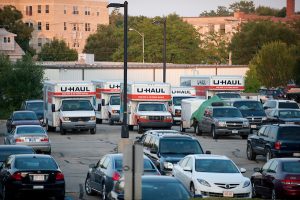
(16, 176)
(19, 140)
(59, 176)
(277, 145)
(116, 176)
(290, 182)
(45, 139)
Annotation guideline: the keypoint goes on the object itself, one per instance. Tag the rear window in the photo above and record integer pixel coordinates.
(28, 163)
(288, 105)
(179, 146)
(35, 106)
(30, 130)
(229, 96)
(25, 116)
(289, 133)
(5, 153)
(291, 166)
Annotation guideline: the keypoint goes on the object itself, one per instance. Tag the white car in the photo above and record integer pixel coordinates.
(212, 176)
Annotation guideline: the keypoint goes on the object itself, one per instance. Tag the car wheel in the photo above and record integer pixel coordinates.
(88, 188)
(5, 194)
(140, 129)
(93, 131)
(181, 128)
(103, 192)
(274, 194)
(244, 137)
(110, 121)
(98, 121)
(62, 131)
(198, 130)
(213, 133)
(269, 154)
(254, 193)
(250, 154)
(192, 190)
(130, 127)
(60, 197)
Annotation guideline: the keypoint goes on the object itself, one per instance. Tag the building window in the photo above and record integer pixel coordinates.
(75, 27)
(29, 24)
(29, 10)
(222, 28)
(75, 10)
(8, 40)
(47, 26)
(65, 26)
(65, 9)
(39, 10)
(39, 26)
(76, 44)
(5, 40)
(47, 9)
(39, 42)
(87, 11)
(87, 27)
(98, 12)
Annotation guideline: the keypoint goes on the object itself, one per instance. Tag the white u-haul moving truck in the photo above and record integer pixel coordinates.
(178, 94)
(69, 106)
(107, 100)
(148, 105)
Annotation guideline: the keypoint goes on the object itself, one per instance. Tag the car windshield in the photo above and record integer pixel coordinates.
(288, 105)
(30, 130)
(35, 106)
(25, 116)
(5, 153)
(164, 191)
(74, 105)
(148, 166)
(179, 146)
(152, 107)
(35, 163)
(289, 114)
(248, 105)
(226, 112)
(229, 95)
(289, 133)
(115, 100)
(291, 166)
(177, 100)
(215, 166)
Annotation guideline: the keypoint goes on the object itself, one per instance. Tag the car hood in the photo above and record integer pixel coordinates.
(154, 113)
(234, 119)
(26, 122)
(226, 178)
(172, 158)
(87, 113)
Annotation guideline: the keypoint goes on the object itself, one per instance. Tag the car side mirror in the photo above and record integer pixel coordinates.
(92, 166)
(53, 107)
(187, 168)
(207, 152)
(243, 170)
(99, 107)
(103, 102)
(153, 150)
(257, 169)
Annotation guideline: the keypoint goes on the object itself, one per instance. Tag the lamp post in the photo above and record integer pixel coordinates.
(164, 22)
(143, 40)
(124, 131)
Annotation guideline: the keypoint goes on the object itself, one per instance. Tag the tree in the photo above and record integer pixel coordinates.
(253, 35)
(11, 19)
(252, 84)
(222, 11)
(57, 50)
(243, 6)
(267, 11)
(274, 64)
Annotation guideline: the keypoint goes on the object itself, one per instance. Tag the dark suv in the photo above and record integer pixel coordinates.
(278, 140)
(36, 106)
(167, 149)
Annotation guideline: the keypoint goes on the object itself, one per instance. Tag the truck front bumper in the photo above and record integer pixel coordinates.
(226, 131)
(78, 125)
(115, 118)
(156, 124)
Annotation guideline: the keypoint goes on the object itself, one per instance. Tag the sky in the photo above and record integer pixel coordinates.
(188, 8)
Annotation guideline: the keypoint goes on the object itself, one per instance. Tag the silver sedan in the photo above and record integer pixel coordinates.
(30, 135)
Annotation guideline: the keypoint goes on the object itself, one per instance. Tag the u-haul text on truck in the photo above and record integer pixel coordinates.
(148, 105)
(178, 94)
(69, 106)
(107, 100)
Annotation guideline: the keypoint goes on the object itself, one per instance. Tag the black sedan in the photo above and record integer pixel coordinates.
(31, 175)
(7, 150)
(21, 118)
(102, 176)
(284, 116)
(278, 178)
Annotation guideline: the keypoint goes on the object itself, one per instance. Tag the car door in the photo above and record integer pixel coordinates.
(204, 121)
(103, 173)
(187, 175)
(262, 140)
(255, 140)
(96, 174)
(258, 178)
(4, 172)
(268, 177)
(179, 172)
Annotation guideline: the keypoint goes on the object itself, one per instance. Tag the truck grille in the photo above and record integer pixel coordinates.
(156, 117)
(79, 119)
(234, 124)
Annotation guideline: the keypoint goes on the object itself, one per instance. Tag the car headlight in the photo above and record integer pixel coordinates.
(66, 118)
(114, 111)
(264, 119)
(143, 117)
(168, 117)
(93, 118)
(221, 123)
(168, 165)
(246, 183)
(246, 124)
(203, 182)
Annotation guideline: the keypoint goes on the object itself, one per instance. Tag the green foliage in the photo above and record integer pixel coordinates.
(296, 53)
(243, 6)
(252, 84)
(19, 81)
(57, 50)
(222, 11)
(11, 19)
(274, 64)
(253, 35)
(267, 11)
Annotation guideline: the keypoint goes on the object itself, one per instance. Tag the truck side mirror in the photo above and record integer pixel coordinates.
(103, 102)
(53, 107)
(99, 107)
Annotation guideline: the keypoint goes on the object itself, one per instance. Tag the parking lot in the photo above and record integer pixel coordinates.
(75, 151)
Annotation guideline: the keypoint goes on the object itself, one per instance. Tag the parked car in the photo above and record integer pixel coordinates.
(167, 149)
(284, 116)
(7, 150)
(36, 106)
(279, 140)
(279, 178)
(21, 118)
(269, 94)
(223, 120)
(30, 135)
(155, 188)
(274, 104)
(102, 176)
(31, 174)
(212, 176)
(159, 131)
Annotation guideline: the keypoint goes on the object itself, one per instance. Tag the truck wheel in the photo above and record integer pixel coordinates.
(130, 127)
(93, 131)
(198, 130)
(111, 122)
(99, 121)
(140, 129)
(244, 137)
(181, 128)
(250, 154)
(213, 133)
(62, 131)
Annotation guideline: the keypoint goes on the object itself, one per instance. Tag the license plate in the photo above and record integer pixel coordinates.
(296, 154)
(38, 187)
(38, 177)
(227, 194)
(30, 140)
(235, 131)
(253, 126)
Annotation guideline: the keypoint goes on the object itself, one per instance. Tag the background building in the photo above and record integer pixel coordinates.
(70, 20)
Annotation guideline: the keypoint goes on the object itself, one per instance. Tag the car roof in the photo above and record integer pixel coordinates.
(209, 156)
(14, 147)
(282, 101)
(34, 100)
(24, 111)
(162, 131)
(32, 156)
(244, 100)
(222, 107)
(283, 125)
(164, 179)
(119, 155)
(290, 109)
(20, 126)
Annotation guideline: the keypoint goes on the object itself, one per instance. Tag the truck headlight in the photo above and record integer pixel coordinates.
(143, 117)
(203, 182)
(114, 111)
(168, 117)
(246, 183)
(66, 118)
(168, 165)
(221, 124)
(177, 112)
(246, 124)
(93, 118)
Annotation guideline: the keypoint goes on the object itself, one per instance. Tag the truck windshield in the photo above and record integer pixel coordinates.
(152, 107)
(74, 105)
(114, 100)
(226, 112)
(177, 100)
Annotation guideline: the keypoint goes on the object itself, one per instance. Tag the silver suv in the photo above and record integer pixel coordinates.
(274, 104)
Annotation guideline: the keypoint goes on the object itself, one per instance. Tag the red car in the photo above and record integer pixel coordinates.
(279, 178)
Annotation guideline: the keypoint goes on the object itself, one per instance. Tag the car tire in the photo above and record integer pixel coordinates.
(251, 155)
(130, 127)
(110, 121)
(93, 131)
(181, 128)
(87, 186)
(254, 193)
(103, 192)
(244, 137)
(62, 131)
(192, 189)
(198, 130)
(213, 133)
(274, 195)
(98, 121)
(140, 129)
(269, 154)
(5, 194)
(60, 197)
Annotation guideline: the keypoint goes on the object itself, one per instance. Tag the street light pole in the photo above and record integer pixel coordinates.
(143, 41)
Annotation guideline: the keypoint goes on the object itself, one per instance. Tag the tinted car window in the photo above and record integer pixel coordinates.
(183, 162)
(30, 130)
(179, 146)
(226, 112)
(35, 163)
(25, 116)
(291, 166)
(215, 166)
(147, 165)
(288, 105)
(273, 167)
(228, 95)
(289, 133)
(115, 100)
(35, 106)
(248, 105)
(289, 113)
(5, 153)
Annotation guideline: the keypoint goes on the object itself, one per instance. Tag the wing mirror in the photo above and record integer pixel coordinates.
(207, 152)
(243, 170)
(187, 168)
(153, 150)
